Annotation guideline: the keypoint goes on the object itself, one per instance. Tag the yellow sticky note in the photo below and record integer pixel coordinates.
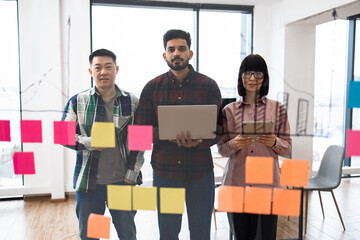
(119, 197)
(172, 200)
(144, 198)
(103, 135)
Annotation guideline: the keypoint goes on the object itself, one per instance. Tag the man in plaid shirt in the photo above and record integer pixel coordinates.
(182, 162)
(97, 167)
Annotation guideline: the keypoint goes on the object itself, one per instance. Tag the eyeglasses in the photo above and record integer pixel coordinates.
(257, 75)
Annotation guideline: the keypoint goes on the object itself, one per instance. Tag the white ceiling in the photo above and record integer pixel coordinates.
(234, 2)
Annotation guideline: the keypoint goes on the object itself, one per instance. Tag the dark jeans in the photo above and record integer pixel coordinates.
(244, 226)
(199, 204)
(94, 202)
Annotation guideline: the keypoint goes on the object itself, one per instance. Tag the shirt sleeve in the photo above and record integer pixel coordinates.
(136, 159)
(283, 139)
(83, 142)
(227, 146)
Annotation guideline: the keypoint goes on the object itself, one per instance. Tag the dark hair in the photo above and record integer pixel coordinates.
(176, 33)
(102, 53)
(254, 62)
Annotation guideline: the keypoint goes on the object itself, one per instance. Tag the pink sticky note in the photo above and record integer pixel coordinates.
(352, 143)
(64, 133)
(140, 137)
(31, 131)
(5, 130)
(24, 163)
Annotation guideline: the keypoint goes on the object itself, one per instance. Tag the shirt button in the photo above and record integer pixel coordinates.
(252, 151)
(180, 85)
(179, 98)
(179, 162)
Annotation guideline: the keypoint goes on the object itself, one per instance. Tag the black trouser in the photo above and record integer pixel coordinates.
(244, 226)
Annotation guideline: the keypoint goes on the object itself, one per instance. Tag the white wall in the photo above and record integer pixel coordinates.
(285, 35)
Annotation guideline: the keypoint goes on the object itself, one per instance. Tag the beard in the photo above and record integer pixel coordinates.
(178, 65)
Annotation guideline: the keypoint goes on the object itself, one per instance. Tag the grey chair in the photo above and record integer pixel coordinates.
(327, 178)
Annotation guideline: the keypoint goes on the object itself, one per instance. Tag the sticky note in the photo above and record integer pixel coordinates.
(352, 143)
(259, 170)
(231, 199)
(144, 198)
(354, 96)
(172, 200)
(140, 137)
(31, 131)
(98, 226)
(65, 133)
(294, 173)
(24, 163)
(119, 197)
(103, 135)
(5, 130)
(286, 202)
(257, 200)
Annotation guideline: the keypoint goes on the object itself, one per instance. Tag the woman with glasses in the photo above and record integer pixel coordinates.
(253, 86)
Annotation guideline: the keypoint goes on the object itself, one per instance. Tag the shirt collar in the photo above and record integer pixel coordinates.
(119, 91)
(261, 100)
(188, 77)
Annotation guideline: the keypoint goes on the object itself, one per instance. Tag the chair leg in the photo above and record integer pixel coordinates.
(214, 218)
(322, 207)
(338, 210)
(306, 208)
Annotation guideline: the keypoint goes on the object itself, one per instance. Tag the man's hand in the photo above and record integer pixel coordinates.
(129, 181)
(242, 142)
(268, 140)
(188, 142)
(99, 148)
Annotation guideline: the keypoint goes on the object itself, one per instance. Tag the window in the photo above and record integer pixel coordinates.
(221, 38)
(330, 86)
(9, 88)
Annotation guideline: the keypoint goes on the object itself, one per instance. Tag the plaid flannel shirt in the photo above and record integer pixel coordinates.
(167, 159)
(86, 107)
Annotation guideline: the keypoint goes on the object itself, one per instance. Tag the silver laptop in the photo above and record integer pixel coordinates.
(200, 120)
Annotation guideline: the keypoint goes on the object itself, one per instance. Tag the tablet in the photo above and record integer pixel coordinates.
(200, 120)
(254, 129)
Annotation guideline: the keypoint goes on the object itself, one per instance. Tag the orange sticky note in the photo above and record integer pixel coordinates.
(31, 131)
(257, 200)
(259, 170)
(286, 202)
(294, 173)
(172, 200)
(144, 198)
(231, 199)
(119, 197)
(98, 226)
(140, 137)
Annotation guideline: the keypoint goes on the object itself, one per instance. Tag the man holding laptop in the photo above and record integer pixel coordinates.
(181, 161)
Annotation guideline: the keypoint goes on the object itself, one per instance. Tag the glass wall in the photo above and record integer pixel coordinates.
(225, 40)
(9, 91)
(220, 40)
(330, 86)
(355, 122)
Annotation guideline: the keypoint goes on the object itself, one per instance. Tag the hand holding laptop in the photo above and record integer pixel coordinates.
(188, 142)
